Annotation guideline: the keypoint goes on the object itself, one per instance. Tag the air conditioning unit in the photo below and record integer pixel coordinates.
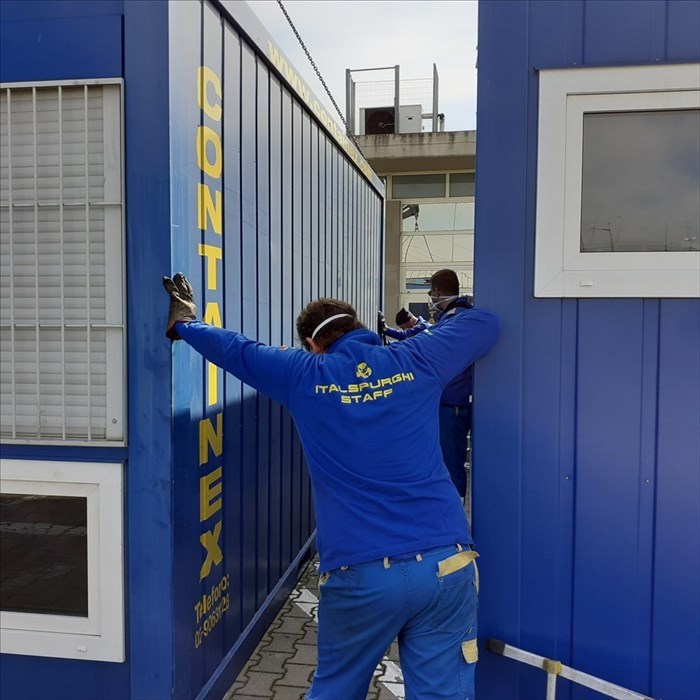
(377, 120)
(381, 120)
(410, 119)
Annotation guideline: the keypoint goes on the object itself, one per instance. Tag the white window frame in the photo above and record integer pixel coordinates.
(565, 95)
(100, 635)
(115, 276)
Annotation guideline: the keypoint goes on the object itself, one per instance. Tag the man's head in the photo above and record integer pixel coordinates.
(444, 283)
(323, 321)
(444, 286)
(405, 319)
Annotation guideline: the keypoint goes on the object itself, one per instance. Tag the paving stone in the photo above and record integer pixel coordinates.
(287, 692)
(296, 675)
(310, 635)
(272, 661)
(304, 654)
(292, 625)
(282, 642)
(260, 684)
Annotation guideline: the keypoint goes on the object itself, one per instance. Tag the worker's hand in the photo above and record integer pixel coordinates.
(381, 323)
(182, 307)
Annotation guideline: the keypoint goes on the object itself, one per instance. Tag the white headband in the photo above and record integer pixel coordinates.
(326, 322)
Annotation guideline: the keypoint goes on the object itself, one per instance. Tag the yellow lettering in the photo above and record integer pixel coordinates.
(387, 392)
(363, 385)
(407, 377)
(212, 254)
(210, 542)
(322, 387)
(377, 394)
(332, 388)
(366, 397)
(208, 437)
(386, 381)
(212, 315)
(353, 388)
(207, 209)
(396, 379)
(205, 77)
(209, 494)
(212, 384)
(346, 399)
(205, 136)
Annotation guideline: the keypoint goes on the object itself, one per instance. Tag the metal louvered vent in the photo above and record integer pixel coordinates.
(61, 272)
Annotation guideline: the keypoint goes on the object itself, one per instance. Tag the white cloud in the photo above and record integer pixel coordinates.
(362, 34)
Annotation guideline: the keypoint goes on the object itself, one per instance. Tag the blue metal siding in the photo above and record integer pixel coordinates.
(586, 475)
(275, 246)
(60, 40)
(282, 236)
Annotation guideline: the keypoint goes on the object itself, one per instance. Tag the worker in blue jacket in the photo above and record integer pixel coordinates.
(456, 399)
(396, 556)
(408, 325)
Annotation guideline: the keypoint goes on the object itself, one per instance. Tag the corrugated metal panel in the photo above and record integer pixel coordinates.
(297, 202)
(299, 221)
(587, 411)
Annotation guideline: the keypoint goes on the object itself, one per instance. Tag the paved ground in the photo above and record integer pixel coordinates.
(283, 663)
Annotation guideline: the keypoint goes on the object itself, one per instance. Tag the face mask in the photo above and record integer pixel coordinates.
(435, 304)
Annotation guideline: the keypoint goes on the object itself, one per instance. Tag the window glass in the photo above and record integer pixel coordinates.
(425, 218)
(641, 181)
(461, 184)
(439, 248)
(418, 186)
(419, 280)
(43, 548)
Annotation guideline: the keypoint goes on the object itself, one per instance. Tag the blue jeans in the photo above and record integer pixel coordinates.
(455, 423)
(428, 601)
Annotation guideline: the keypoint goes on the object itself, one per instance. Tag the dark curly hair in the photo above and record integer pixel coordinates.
(318, 311)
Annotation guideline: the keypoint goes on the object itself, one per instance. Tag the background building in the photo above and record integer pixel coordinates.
(429, 176)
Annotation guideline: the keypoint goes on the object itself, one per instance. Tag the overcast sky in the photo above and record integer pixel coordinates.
(363, 34)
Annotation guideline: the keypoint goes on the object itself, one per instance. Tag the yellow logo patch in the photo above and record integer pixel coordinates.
(363, 371)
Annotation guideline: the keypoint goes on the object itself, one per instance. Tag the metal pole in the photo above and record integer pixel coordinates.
(435, 97)
(397, 102)
(349, 113)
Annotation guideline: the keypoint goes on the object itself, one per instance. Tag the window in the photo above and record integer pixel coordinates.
(61, 273)
(640, 183)
(422, 186)
(461, 184)
(61, 541)
(618, 189)
(426, 218)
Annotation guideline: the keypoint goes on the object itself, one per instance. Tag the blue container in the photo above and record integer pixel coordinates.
(236, 175)
(587, 454)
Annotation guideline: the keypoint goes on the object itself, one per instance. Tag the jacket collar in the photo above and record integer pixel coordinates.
(361, 335)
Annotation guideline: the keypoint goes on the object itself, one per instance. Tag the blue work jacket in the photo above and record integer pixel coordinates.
(459, 390)
(403, 334)
(377, 493)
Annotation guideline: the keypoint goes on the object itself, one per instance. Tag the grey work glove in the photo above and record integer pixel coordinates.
(182, 307)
